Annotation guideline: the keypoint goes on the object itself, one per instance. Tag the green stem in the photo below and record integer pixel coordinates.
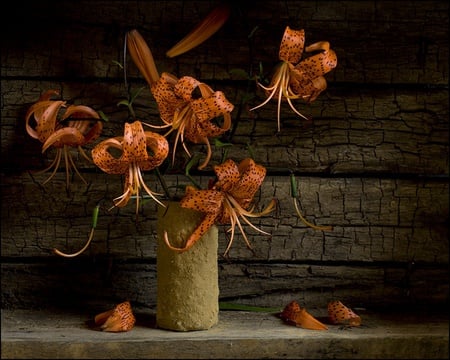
(163, 183)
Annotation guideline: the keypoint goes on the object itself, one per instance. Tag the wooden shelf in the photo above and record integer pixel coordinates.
(245, 335)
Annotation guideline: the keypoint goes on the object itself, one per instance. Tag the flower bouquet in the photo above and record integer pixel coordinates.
(191, 112)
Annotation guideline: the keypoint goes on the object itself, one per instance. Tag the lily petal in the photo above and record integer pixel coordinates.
(294, 314)
(292, 44)
(203, 31)
(219, 203)
(338, 313)
(119, 319)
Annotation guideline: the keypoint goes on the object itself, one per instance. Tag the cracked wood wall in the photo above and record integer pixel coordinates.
(373, 162)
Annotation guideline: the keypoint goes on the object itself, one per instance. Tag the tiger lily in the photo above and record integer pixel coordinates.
(78, 126)
(134, 159)
(191, 117)
(228, 200)
(295, 79)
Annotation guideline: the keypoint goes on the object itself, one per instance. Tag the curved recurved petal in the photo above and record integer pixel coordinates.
(319, 64)
(227, 175)
(134, 144)
(206, 201)
(69, 136)
(46, 123)
(185, 86)
(251, 177)
(159, 147)
(292, 44)
(314, 87)
(207, 108)
(91, 129)
(37, 110)
(80, 112)
(163, 92)
(102, 157)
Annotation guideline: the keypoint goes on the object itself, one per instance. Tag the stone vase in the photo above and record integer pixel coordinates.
(187, 282)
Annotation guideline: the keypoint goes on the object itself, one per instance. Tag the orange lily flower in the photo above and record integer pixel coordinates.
(228, 199)
(134, 158)
(179, 108)
(77, 126)
(295, 79)
(190, 116)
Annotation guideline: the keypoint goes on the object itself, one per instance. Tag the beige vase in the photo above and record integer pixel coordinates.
(187, 282)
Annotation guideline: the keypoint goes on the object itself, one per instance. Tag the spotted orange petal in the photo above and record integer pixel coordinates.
(168, 102)
(294, 314)
(119, 319)
(338, 313)
(191, 115)
(133, 145)
(319, 64)
(37, 109)
(292, 44)
(252, 176)
(205, 201)
(133, 159)
(76, 132)
(46, 123)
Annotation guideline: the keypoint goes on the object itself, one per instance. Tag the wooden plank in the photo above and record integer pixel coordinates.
(75, 283)
(374, 41)
(373, 219)
(238, 335)
(373, 162)
(380, 131)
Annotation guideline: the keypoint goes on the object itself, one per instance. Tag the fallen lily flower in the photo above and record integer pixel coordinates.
(294, 79)
(294, 314)
(133, 160)
(191, 117)
(227, 201)
(76, 127)
(119, 319)
(338, 313)
(203, 31)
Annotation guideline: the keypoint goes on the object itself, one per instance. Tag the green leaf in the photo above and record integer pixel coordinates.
(220, 144)
(103, 115)
(123, 102)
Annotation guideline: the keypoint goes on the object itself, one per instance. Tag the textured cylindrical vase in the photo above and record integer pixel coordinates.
(187, 282)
